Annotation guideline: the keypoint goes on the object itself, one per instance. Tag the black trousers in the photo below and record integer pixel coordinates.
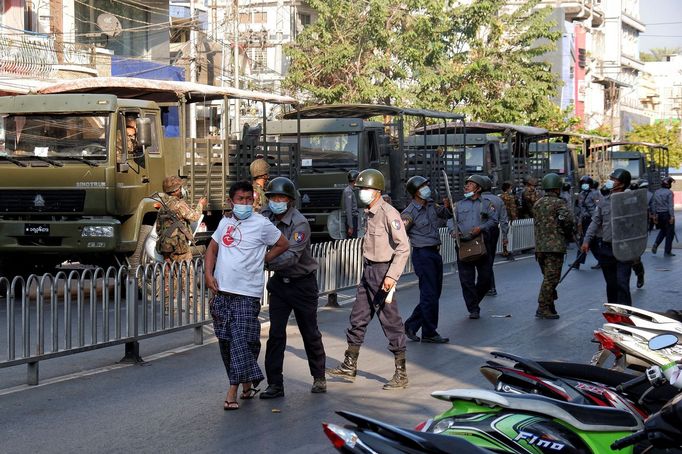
(475, 280)
(299, 296)
(666, 232)
(363, 310)
(586, 221)
(616, 274)
(428, 266)
(491, 247)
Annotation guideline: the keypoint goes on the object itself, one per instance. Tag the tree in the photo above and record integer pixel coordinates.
(662, 132)
(482, 58)
(659, 53)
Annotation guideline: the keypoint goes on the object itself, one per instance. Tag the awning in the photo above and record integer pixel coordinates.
(365, 111)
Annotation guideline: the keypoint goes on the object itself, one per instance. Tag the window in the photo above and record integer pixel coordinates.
(260, 58)
(304, 19)
(154, 147)
(260, 18)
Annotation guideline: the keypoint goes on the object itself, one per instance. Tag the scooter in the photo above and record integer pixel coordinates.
(504, 422)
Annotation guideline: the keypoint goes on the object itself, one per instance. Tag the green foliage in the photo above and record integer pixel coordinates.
(482, 58)
(662, 132)
(659, 53)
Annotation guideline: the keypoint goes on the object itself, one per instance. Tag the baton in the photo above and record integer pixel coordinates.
(580, 256)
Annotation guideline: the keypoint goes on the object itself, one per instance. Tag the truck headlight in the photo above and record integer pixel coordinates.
(98, 231)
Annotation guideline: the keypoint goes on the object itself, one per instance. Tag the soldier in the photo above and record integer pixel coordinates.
(616, 273)
(259, 170)
(512, 212)
(528, 197)
(663, 208)
(553, 223)
(587, 203)
(475, 217)
(349, 205)
(503, 225)
(422, 218)
(385, 251)
(173, 229)
(292, 287)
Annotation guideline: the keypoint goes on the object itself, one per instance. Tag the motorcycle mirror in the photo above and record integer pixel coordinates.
(662, 341)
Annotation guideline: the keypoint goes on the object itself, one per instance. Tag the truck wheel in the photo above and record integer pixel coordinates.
(140, 255)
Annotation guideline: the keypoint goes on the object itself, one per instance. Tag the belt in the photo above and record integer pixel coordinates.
(289, 279)
(435, 247)
(220, 292)
(371, 262)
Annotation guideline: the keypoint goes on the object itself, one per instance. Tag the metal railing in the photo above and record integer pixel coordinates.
(66, 313)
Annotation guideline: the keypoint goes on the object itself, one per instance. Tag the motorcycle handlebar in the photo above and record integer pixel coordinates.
(629, 440)
(632, 383)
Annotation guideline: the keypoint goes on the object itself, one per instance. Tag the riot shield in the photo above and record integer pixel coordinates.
(629, 224)
(336, 224)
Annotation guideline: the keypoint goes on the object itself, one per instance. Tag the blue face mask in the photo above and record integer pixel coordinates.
(278, 207)
(468, 195)
(585, 186)
(609, 184)
(425, 192)
(242, 211)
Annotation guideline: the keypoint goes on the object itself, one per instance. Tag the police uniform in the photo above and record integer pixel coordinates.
(553, 220)
(349, 205)
(616, 273)
(663, 209)
(494, 236)
(587, 204)
(293, 287)
(385, 251)
(422, 223)
(474, 276)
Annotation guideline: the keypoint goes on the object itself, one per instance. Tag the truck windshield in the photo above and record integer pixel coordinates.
(338, 151)
(557, 163)
(474, 158)
(54, 137)
(631, 165)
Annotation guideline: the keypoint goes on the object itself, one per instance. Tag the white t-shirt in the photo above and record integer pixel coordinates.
(241, 251)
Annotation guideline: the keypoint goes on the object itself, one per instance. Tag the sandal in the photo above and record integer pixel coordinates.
(249, 393)
(231, 406)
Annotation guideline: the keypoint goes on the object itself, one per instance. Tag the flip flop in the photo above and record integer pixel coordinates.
(249, 393)
(231, 406)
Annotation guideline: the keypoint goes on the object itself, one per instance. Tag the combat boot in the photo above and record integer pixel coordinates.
(399, 380)
(545, 311)
(349, 367)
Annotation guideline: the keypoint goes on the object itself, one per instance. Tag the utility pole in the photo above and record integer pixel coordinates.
(235, 80)
(192, 66)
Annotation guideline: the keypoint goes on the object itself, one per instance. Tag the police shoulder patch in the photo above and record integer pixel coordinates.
(299, 236)
(396, 224)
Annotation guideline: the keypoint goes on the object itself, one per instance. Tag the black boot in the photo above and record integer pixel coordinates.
(399, 380)
(349, 367)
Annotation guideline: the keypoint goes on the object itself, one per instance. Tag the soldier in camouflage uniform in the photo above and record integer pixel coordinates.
(553, 220)
(172, 227)
(528, 197)
(512, 213)
(260, 170)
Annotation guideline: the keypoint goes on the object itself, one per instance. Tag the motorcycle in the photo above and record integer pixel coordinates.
(505, 422)
(660, 323)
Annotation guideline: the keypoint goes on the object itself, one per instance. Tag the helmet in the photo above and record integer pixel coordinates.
(281, 186)
(171, 184)
(634, 185)
(487, 185)
(370, 178)
(530, 180)
(643, 184)
(586, 179)
(621, 175)
(551, 181)
(480, 180)
(566, 187)
(259, 167)
(353, 175)
(415, 183)
(667, 182)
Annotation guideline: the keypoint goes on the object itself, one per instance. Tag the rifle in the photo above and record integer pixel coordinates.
(452, 207)
(573, 265)
(177, 223)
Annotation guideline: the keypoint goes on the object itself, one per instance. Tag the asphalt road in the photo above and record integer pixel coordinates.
(173, 403)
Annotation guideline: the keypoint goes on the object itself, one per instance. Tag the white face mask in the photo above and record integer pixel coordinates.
(585, 186)
(183, 192)
(468, 195)
(425, 192)
(366, 196)
(609, 184)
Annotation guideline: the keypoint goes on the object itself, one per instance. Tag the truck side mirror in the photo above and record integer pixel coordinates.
(122, 167)
(144, 131)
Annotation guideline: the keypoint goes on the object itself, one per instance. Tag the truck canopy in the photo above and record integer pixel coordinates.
(367, 111)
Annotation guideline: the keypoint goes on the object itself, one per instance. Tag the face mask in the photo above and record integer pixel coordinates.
(278, 207)
(468, 195)
(584, 186)
(366, 196)
(242, 211)
(609, 184)
(183, 192)
(425, 192)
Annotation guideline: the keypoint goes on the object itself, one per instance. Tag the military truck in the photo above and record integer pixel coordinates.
(337, 138)
(644, 161)
(73, 188)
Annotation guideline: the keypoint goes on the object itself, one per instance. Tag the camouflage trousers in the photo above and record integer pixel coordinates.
(177, 278)
(550, 264)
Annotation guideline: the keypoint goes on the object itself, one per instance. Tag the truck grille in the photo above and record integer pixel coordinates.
(320, 198)
(35, 201)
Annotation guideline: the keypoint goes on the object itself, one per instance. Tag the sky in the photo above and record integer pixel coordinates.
(663, 20)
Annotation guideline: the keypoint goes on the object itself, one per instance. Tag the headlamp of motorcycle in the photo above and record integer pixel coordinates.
(442, 425)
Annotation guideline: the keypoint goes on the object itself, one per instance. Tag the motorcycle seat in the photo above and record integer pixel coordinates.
(583, 417)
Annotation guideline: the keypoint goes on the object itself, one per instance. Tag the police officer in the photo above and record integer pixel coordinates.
(385, 251)
(637, 265)
(553, 223)
(292, 287)
(494, 237)
(587, 203)
(260, 170)
(663, 208)
(349, 205)
(475, 217)
(173, 227)
(422, 218)
(616, 273)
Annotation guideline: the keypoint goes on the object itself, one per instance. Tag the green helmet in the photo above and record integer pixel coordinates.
(281, 186)
(352, 175)
(623, 176)
(488, 185)
(480, 180)
(552, 181)
(414, 183)
(370, 178)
